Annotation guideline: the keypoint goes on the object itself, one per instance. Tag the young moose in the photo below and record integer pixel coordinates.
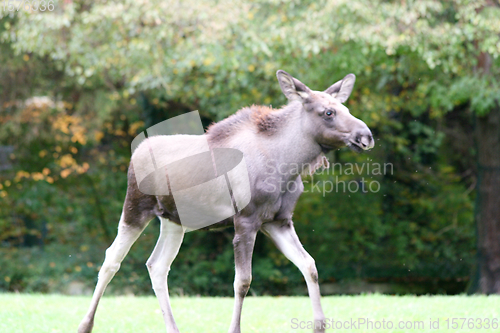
(312, 123)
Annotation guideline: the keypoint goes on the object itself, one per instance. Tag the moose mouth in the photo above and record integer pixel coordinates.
(354, 147)
(351, 145)
(326, 148)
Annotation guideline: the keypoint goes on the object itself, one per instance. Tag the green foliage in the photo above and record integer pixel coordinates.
(106, 70)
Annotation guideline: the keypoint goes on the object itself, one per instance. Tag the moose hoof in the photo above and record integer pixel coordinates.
(319, 326)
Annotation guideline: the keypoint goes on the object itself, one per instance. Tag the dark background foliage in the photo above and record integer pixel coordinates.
(79, 83)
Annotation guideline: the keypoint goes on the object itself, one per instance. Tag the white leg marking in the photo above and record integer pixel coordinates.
(169, 242)
(287, 241)
(115, 254)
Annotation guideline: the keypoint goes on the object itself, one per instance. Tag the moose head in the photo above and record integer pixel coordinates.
(329, 120)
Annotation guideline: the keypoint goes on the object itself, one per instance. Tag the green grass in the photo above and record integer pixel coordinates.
(54, 313)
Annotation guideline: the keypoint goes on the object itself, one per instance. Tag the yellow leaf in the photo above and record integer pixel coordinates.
(251, 68)
(98, 136)
(256, 93)
(207, 61)
(65, 173)
(79, 137)
(375, 116)
(37, 176)
(134, 127)
(120, 132)
(66, 161)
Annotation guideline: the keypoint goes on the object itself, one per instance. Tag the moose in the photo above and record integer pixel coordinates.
(299, 133)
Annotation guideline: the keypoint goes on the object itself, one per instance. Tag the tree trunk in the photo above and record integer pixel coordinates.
(488, 200)
(487, 136)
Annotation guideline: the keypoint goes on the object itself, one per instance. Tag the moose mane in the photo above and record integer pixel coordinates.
(263, 119)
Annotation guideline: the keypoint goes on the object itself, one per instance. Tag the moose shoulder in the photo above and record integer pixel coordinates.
(278, 145)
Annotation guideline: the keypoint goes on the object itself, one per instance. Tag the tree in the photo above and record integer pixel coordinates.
(460, 42)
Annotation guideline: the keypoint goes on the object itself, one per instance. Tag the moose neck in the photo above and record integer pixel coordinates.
(293, 145)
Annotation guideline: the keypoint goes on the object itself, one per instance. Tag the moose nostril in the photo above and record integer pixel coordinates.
(365, 141)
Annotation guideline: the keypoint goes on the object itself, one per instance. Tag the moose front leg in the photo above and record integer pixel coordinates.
(244, 241)
(284, 236)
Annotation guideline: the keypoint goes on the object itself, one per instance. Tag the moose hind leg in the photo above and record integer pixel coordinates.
(164, 253)
(127, 235)
(287, 241)
(243, 243)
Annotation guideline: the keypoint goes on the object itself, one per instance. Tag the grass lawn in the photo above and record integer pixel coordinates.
(54, 313)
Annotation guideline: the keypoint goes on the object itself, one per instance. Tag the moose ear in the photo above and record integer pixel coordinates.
(342, 89)
(292, 88)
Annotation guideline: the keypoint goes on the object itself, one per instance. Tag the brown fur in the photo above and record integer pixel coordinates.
(139, 208)
(262, 118)
(265, 118)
